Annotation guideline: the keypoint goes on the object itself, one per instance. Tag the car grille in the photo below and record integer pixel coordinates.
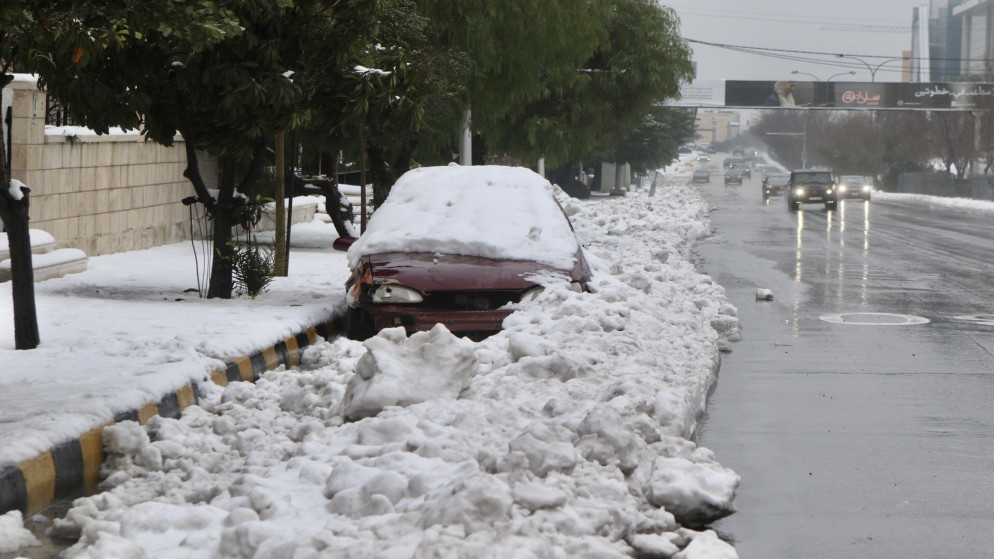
(470, 300)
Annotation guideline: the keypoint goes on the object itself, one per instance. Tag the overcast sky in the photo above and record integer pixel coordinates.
(861, 28)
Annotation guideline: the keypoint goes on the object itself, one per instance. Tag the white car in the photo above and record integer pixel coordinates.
(855, 186)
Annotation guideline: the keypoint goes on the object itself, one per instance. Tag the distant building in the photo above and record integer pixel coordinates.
(953, 40)
(976, 19)
(716, 125)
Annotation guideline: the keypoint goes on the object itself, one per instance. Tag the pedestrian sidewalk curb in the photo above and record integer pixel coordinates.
(69, 468)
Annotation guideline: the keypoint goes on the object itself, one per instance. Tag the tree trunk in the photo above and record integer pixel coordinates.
(336, 205)
(279, 196)
(221, 284)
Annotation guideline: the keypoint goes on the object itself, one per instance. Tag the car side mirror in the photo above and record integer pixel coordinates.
(343, 243)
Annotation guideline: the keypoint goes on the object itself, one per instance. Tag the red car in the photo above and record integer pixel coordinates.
(775, 185)
(457, 246)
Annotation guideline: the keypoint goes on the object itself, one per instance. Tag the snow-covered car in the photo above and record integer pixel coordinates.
(855, 186)
(811, 186)
(702, 175)
(775, 185)
(458, 246)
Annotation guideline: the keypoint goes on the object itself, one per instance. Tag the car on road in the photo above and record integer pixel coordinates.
(459, 246)
(855, 186)
(744, 167)
(810, 186)
(704, 158)
(775, 185)
(733, 176)
(702, 175)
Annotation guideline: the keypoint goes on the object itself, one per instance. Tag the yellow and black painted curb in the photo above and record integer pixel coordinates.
(68, 469)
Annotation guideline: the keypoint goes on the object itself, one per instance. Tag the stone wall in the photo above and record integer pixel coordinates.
(102, 194)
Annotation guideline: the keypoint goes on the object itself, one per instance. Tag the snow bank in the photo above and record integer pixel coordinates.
(569, 434)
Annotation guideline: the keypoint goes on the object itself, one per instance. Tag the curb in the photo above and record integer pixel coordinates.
(67, 469)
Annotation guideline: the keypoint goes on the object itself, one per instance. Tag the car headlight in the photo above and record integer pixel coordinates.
(829, 191)
(532, 294)
(867, 188)
(396, 294)
(799, 192)
(842, 188)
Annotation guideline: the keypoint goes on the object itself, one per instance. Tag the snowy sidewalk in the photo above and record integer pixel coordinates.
(127, 340)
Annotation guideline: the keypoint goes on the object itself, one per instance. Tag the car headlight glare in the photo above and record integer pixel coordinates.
(396, 294)
(842, 188)
(829, 191)
(799, 192)
(867, 188)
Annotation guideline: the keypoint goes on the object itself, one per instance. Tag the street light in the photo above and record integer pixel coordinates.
(850, 72)
(873, 70)
(795, 72)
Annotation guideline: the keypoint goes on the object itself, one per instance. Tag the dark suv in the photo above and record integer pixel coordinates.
(811, 186)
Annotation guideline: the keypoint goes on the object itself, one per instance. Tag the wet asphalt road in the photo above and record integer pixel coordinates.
(859, 406)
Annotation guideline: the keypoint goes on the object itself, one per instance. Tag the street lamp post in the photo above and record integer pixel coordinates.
(804, 143)
(850, 72)
(795, 72)
(872, 69)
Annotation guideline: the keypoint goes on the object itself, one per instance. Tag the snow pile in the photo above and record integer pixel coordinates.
(569, 434)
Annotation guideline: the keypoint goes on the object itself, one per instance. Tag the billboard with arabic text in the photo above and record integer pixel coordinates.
(846, 95)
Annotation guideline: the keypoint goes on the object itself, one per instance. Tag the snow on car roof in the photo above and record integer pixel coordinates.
(487, 210)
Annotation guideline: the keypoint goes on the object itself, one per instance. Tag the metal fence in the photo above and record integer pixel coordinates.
(977, 188)
(56, 114)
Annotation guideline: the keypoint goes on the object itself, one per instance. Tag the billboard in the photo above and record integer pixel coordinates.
(843, 95)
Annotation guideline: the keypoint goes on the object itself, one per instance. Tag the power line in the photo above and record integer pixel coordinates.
(834, 59)
(768, 17)
(867, 28)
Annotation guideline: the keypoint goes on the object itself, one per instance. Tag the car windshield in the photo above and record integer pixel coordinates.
(778, 179)
(487, 210)
(850, 179)
(814, 178)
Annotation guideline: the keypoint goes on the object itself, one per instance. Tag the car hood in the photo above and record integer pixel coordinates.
(433, 272)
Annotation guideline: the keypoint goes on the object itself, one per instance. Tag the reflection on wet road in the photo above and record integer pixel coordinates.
(859, 406)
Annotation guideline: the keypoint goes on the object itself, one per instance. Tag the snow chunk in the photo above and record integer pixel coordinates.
(15, 189)
(534, 496)
(697, 493)
(401, 371)
(654, 545)
(707, 545)
(476, 503)
(764, 294)
(13, 534)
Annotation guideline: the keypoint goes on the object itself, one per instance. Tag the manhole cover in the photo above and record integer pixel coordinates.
(985, 319)
(874, 319)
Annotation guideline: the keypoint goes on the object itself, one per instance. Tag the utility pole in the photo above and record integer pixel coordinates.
(804, 143)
